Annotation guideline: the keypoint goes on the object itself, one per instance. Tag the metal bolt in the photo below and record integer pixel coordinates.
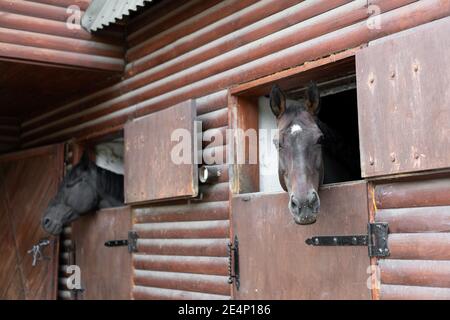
(386, 250)
(335, 240)
(316, 241)
(392, 74)
(381, 250)
(416, 155)
(415, 67)
(371, 161)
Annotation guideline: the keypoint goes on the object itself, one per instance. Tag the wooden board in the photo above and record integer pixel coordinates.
(404, 119)
(275, 262)
(28, 180)
(105, 272)
(150, 173)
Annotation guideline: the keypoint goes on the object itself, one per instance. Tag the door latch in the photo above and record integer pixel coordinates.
(131, 242)
(36, 251)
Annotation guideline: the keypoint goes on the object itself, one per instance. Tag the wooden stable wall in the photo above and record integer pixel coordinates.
(201, 48)
(197, 50)
(182, 249)
(418, 213)
(37, 31)
(9, 134)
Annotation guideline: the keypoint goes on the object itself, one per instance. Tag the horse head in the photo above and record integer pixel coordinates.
(300, 163)
(84, 189)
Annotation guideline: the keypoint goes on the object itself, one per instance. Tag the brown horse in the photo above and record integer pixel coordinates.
(310, 152)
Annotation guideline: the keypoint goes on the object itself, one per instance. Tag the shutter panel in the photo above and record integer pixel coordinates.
(150, 172)
(403, 101)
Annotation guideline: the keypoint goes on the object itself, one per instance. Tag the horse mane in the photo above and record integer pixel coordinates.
(110, 183)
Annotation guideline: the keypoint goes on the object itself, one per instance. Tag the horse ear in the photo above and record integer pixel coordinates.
(312, 98)
(277, 101)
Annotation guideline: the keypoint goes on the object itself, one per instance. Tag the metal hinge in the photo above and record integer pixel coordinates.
(233, 260)
(376, 240)
(131, 242)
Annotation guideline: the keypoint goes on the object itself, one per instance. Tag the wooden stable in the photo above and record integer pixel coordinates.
(172, 62)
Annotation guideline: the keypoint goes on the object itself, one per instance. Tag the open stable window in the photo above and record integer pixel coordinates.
(250, 109)
(160, 155)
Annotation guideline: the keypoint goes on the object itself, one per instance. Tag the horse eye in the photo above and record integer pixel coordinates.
(320, 140)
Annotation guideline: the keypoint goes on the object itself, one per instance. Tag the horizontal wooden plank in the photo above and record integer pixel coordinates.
(412, 220)
(434, 192)
(66, 58)
(184, 247)
(214, 119)
(419, 246)
(212, 102)
(183, 281)
(145, 100)
(192, 229)
(35, 9)
(393, 292)
(423, 273)
(189, 212)
(38, 40)
(146, 293)
(202, 265)
(215, 192)
(215, 137)
(215, 155)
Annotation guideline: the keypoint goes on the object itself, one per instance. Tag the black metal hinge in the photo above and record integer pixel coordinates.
(131, 242)
(233, 262)
(376, 240)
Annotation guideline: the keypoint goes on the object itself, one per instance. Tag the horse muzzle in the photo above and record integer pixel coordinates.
(305, 212)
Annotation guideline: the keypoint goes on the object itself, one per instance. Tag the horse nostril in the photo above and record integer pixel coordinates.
(294, 202)
(47, 222)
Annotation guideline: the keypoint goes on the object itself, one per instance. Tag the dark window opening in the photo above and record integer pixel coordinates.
(339, 112)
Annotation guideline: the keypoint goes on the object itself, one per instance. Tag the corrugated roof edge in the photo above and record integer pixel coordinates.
(102, 13)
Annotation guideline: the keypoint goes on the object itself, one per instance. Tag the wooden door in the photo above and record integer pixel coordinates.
(28, 180)
(105, 271)
(275, 262)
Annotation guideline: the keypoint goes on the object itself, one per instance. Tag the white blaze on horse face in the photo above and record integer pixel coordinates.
(296, 128)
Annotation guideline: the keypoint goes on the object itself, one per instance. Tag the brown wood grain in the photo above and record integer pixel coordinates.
(421, 193)
(411, 88)
(183, 281)
(275, 262)
(424, 273)
(28, 181)
(148, 293)
(394, 292)
(105, 271)
(416, 220)
(419, 246)
(150, 172)
(201, 265)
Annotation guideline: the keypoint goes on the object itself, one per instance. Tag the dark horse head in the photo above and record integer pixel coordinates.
(85, 188)
(300, 164)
